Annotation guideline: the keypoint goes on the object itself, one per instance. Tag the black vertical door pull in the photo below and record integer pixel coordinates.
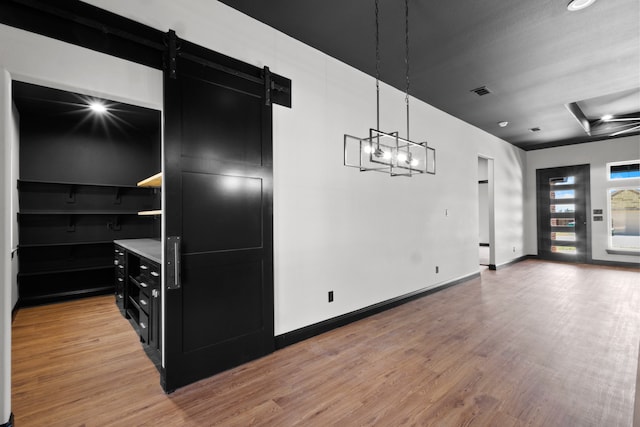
(173, 262)
(218, 183)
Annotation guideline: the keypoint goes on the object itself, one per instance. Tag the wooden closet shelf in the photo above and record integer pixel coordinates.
(149, 213)
(153, 181)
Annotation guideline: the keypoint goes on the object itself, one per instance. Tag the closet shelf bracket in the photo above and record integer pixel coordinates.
(71, 196)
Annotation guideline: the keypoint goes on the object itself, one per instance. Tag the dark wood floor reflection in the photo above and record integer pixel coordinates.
(536, 344)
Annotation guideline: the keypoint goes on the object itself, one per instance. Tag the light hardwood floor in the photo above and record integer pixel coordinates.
(536, 344)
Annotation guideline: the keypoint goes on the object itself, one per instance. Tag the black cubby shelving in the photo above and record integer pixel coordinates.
(66, 234)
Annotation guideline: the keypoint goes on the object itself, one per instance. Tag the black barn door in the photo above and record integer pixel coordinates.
(562, 213)
(218, 216)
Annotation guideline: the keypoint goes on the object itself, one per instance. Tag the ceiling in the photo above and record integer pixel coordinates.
(58, 105)
(545, 67)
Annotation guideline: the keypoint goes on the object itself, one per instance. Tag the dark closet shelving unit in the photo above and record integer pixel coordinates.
(67, 232)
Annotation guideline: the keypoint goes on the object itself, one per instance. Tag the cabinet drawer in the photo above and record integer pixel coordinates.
(150, 268)
(149, 273)
(144, 286)
(119, 257)
(119, 284)
(143, 322)
(144, 303)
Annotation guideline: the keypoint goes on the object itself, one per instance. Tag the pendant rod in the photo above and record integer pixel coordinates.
(406, 58)
(377, 69)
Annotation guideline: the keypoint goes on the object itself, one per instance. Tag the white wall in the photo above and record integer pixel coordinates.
(366, 236)
(36, 59)
(596, 154)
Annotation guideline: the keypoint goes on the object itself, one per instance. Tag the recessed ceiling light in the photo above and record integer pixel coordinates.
(579, 4)
(98, 107)
(503, 124)
(535, 129)
(606, 117)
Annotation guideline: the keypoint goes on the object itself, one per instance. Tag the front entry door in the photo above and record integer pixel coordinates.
(562, 213)
(218, 181)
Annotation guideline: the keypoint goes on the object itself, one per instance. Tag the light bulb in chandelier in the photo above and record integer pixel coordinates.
(403, 157)
(367, 148)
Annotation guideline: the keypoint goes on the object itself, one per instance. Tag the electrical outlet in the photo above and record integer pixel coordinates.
(437, 269)
(330, 296)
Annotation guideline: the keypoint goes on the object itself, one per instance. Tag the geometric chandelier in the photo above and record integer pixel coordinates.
(387, 152)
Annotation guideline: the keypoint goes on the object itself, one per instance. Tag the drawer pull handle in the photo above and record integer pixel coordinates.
(155, 293)
(143, 302)
(120, 279)
(115, 262)
(155, 274)
(144, 267)
(144, 285)
(121, 266)
(143, 326)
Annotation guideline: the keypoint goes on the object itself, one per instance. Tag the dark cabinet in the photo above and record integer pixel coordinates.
(120, 276)
(137, 264)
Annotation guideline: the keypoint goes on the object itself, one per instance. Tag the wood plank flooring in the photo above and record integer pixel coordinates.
(536, 344)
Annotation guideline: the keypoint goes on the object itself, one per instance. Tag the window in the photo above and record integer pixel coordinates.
(565, 180)
(623, 170)
(569, 208)
(624, 218)
(563, 194)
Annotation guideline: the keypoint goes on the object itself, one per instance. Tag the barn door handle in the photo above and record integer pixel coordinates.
(173, 262)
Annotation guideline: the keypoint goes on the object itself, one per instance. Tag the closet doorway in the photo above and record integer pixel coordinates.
(486, 234)
(80, 159)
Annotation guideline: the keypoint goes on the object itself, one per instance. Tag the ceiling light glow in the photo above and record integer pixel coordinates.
(579, 4)
(98, 107)
(503, 124)
(606, 117)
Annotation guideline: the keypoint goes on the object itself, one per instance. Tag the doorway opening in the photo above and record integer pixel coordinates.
(486, 230)
(79, 160)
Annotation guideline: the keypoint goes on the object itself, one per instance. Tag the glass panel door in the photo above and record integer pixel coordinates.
(562, 213)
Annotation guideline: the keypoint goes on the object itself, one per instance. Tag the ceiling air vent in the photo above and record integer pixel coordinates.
(481, 91)
(535, 129)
